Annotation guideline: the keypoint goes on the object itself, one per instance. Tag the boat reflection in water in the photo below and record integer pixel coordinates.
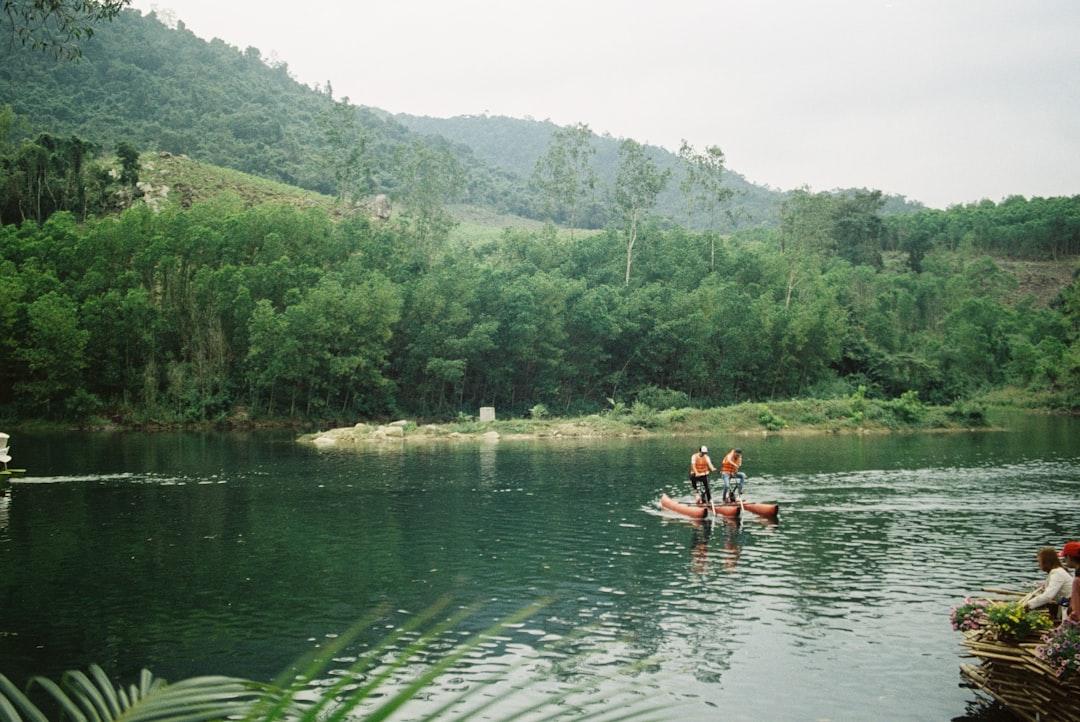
(731, 529)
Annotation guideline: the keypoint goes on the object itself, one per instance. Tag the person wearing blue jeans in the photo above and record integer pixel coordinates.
(729, 469)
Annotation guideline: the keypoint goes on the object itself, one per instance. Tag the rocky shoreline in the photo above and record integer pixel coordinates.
(402, 430)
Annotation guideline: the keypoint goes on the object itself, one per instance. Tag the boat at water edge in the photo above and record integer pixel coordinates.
(5, 457)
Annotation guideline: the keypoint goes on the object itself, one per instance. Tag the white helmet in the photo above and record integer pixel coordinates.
(704, 449)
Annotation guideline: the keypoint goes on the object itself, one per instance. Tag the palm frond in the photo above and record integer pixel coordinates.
(12, 700)
(93, 698)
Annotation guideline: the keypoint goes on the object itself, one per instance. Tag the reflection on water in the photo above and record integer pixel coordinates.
(235, 554)
(5, 504)
(730, 533)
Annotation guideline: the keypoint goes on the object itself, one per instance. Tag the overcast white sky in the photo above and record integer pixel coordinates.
(943, 101)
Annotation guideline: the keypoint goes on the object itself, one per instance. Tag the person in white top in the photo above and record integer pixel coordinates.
(1058, 582)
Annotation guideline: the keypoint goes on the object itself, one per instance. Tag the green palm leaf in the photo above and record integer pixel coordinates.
(93, 698)
(82, 697)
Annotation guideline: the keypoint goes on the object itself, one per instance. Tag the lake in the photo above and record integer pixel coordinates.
(237, 553)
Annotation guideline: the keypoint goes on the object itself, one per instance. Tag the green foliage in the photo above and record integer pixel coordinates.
(187, 315)
(129, 163)
(662, 399)
(908, 409)
(968, 413)
(80, 696)
(515, 146)
(770, 420)
(53, 354)
(431, 179)
(618, 408)
(564, 174)
(232, 292)
(47, 175)
(643, 415)
(637, 185)
(344, 151)
(56, 27)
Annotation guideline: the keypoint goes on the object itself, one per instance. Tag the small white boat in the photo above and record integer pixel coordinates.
(5, 457)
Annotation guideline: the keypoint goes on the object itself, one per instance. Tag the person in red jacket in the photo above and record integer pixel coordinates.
(700, 466)
(1071, 554)
(729, 468)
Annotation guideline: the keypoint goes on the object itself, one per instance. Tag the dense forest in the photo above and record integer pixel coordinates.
(218, 304)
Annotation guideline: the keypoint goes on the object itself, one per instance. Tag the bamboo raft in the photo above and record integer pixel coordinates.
(1009, 672)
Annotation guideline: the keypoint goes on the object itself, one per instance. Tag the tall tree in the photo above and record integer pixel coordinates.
(344, 151)
(703, 182)
(53, 355)
(637, 184)
(431, 178)
(805, 235)
(858, 229)
(129, 163)
(55, 26)
(47, 175)
(565, 171)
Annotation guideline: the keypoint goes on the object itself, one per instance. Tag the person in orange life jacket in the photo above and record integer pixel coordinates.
(1071, 555)
(700, 466)
(729, 468)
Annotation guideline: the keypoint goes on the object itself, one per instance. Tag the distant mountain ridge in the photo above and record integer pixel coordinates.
(515, 145)
(164, 89)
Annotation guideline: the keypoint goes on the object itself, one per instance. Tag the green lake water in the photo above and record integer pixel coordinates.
(236, 553)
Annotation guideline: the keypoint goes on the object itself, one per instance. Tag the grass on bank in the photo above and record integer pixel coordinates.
(853, 414)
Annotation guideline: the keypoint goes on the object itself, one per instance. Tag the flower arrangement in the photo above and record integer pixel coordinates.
(1012, 620)
(969, 615)
(1060, 649)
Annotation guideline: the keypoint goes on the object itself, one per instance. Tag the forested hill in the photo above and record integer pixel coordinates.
(164, 89)
(237, 298)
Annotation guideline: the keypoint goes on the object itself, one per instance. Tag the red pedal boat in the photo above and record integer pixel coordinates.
(700, 511)
(769, 510)
(696, 510)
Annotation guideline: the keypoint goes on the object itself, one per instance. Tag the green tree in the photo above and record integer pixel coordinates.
(12, 289)
(129, 163)
(564, 172)
(702, 185)
(805, 236)
(637, 185)
(274, 359)
(431, 178)
(344, 151)
(47, 175)
(55, 26)
(343, 327)
(53, 354)
(857, 228)
(975, 349)
(440, 336)
(526, 365)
